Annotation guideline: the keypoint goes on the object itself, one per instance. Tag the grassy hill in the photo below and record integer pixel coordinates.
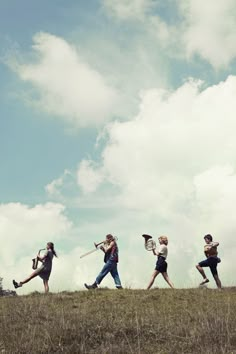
(120, 321)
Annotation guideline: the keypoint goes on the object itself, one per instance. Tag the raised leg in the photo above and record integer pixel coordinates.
(201, 271)
(33, 275)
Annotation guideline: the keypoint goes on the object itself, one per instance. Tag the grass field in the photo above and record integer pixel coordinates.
(120, 321)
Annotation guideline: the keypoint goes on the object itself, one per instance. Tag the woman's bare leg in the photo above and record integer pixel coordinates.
(46, 286)
(33, 275)
(156, 272)
(167, 279)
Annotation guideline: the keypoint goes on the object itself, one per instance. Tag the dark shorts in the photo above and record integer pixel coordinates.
(212, 263)
(161, 265)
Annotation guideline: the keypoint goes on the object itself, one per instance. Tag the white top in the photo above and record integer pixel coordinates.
(163, 251)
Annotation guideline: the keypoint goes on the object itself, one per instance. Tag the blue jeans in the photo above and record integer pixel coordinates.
(109, 267)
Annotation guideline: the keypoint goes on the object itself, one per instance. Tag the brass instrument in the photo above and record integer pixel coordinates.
(149, 243)
(35, 260)
(98, 246)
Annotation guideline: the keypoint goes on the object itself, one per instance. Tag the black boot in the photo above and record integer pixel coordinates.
(89, 287)
(16, 285)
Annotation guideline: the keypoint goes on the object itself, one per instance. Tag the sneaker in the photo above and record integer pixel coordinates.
(16, 285)
(205, 281)
(119, 287)
(89, 287)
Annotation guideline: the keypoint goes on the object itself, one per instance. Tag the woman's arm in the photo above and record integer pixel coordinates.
(155, 252)
(41, 258)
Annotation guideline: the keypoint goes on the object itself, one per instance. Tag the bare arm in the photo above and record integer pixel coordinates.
(102, 249)
(155, 252)
(108, 248)
(41, 258)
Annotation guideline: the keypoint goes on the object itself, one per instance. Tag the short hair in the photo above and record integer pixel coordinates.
(109, 236)
(209, 237)
(163, 238)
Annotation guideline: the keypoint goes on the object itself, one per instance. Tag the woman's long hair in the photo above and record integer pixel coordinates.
(51, 245)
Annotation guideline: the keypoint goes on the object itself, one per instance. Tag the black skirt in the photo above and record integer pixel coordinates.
(161, 265)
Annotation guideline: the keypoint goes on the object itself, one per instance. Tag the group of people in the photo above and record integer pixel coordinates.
(111, 259)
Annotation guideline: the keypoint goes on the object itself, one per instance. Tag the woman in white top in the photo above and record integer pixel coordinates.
(161, 265)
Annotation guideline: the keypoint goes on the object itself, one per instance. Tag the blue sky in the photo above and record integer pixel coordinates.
(34, 150)
(27, 132)
(116, 117)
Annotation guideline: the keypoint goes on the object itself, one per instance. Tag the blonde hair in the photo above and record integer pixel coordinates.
(163, 239)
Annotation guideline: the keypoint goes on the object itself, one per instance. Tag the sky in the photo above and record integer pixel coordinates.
(116, 117)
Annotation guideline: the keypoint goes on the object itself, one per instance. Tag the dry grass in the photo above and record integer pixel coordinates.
(114, 321)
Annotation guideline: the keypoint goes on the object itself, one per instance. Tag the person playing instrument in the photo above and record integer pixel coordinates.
(44, 270)
(111, 260)
(161, 264)
(212, 260)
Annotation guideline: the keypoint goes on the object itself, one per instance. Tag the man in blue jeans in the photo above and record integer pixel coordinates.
(111, 259)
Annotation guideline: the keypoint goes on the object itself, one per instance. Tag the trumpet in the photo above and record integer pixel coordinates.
(35, 260)
(149, 243)
(98, 246)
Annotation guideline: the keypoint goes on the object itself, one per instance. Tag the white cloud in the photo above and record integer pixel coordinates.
(174, 165)
(155, 29)
(53, 188)
(202, 29)
(172, 129)
(128, 9)
(216, 194)
(88, 176)
(65, 84)
(24, 230)
(210, 30)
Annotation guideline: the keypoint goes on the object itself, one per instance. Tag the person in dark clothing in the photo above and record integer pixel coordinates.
(44, 271)
(111, 259)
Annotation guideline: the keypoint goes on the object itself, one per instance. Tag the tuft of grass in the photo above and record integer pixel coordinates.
(120, 321)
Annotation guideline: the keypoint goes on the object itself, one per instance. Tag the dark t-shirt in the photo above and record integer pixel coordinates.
(47, 262)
